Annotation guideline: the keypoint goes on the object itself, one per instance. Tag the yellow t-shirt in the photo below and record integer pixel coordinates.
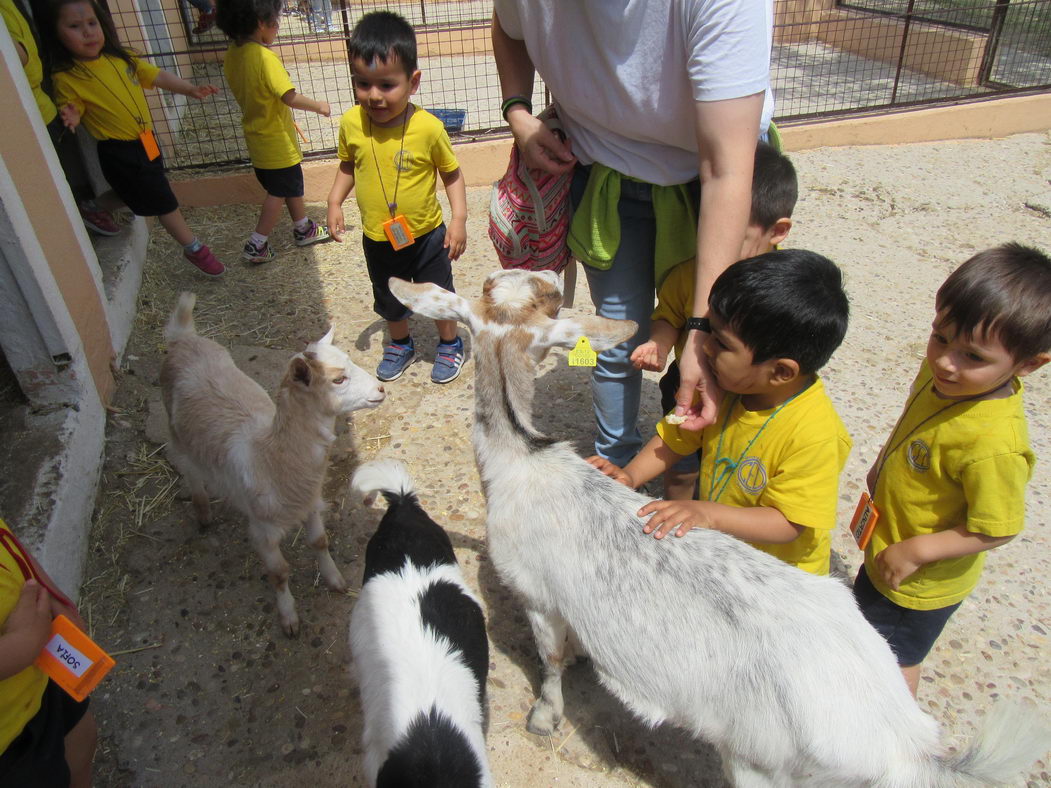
(675, 300)
(20, 694)
(950, 464)
(258, 80)
(22, 33)
(108, 94)
(378, 154)
(791, 464)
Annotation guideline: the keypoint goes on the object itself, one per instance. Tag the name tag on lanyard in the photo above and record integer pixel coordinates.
(398, 232)
(149, 142)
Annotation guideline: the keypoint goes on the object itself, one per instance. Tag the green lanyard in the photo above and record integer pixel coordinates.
(725, 466)
(392, 205)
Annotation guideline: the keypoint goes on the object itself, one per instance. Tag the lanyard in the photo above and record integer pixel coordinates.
(392, 205)
(901, 420)
(724, 465)
(134, 113)
(25, 565)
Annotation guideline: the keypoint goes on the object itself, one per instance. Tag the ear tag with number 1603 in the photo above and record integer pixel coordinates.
(582, 355)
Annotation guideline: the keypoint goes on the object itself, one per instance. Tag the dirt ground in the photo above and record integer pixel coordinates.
(209, 692)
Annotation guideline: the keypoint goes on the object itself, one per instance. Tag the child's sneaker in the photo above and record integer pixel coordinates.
(314, 233)
(448, 361)
(205, 260)
(100, 222)
(258, 254)
(396, 359)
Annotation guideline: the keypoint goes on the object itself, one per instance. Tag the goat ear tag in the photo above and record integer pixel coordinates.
(864, 521)
(398, 232)
(72, 659)
(582, 355)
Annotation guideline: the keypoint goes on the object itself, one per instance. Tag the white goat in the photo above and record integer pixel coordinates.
(774, 666)
(420, 649)
(266, 459)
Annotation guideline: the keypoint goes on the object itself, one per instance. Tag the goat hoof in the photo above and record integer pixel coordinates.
(291, 627)
(542, 721)
(336, 583)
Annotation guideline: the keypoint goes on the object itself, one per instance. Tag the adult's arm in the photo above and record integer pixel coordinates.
(540, 147)
(727, 132)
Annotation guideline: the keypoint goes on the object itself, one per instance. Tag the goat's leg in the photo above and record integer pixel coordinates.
(267, 538)
(198, 493)
(743, 774)
(318, 539)
(551, 633)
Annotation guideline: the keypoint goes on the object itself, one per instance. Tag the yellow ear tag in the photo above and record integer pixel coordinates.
(582, 355)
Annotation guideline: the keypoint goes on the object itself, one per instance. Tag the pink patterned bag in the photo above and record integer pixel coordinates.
(529, 214)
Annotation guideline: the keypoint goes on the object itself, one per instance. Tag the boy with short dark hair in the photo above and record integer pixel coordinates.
(390, 149)
(949, 484)
(774, 193)
(771, 460)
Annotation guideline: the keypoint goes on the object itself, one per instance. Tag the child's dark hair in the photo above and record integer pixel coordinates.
(1004, 291)
(383, 35)
(784, 304)
(58, 58)
(774, 186)
(239, 19)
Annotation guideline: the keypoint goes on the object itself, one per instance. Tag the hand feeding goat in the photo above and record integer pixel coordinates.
(420, 649)
(267, 459)
(774, 666)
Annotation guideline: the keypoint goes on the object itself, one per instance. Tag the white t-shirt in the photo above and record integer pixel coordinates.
(625, 73)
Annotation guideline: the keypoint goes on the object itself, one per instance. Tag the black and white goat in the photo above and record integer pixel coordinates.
(774, 666)
(420, 650)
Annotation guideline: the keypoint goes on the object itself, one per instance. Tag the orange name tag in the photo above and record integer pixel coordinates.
(398, 232)
(149, 142)
(72, 659)
(864, 520)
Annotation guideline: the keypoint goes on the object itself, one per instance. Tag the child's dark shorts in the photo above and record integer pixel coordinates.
(37, 756)
(910, 633)
(427, 260)
(669, 384)
(140, 183)
(285, 182)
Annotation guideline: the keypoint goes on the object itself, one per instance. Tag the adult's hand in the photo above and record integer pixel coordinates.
(541, 148)
(698, 396)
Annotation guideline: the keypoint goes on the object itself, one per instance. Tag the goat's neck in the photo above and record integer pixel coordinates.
(301, 427)
(504, 386)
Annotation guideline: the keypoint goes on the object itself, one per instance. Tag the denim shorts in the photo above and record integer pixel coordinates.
(910, 633)
(427, 260)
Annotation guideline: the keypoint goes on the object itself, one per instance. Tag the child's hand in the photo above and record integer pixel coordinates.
(896, 563)
(456, 239)
(70, 116)
(30, 620)
(614, 472)
(202, 92)
(336, 226)
(668, 515)
(649, 356)
(324, 109)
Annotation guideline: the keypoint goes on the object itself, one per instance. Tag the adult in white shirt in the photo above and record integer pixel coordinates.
(665, 92)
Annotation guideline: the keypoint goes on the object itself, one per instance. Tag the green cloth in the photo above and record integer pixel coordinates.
(594, 234)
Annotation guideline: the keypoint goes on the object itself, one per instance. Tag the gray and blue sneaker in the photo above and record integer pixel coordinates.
(448, 361)
(396, 359)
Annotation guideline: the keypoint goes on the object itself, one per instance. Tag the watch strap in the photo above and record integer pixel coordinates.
(698, 324)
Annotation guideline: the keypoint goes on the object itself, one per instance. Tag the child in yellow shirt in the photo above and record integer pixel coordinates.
(949, 484)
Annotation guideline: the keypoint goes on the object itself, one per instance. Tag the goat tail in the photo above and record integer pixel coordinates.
(1010, 739)
(180, 324)
(389, 478)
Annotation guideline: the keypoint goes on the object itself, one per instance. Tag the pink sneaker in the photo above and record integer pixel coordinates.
(206, 261)
(100, 222)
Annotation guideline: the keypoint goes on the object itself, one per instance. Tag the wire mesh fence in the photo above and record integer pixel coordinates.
(828, 58)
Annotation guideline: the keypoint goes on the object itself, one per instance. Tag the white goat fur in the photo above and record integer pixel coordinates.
(266, 459)
(405, 668)
(775, 667)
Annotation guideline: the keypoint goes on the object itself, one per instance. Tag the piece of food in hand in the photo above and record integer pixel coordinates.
(673, 418)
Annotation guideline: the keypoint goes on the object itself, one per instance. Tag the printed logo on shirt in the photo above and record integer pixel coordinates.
(403, 161)
(919, 455)
(751, 475)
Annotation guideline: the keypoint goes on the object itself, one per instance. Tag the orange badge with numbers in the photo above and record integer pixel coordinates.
(73, 660)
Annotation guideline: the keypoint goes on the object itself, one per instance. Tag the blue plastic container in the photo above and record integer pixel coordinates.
(452, 118)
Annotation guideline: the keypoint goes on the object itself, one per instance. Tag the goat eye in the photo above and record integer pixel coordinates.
(340, 380)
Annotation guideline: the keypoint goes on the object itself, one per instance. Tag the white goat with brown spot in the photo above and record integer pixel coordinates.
(266, 459)
(772, 665)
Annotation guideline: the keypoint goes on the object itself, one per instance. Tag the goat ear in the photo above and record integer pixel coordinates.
(431, 301)
(327, 339)
(602, 332)
(301, 371)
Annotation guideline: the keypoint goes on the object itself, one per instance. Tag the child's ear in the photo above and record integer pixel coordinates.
(784, 370)
(414, 81)
(1032, 364)
(779, 231)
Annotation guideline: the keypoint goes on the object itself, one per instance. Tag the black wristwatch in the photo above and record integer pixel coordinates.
(698, 324)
